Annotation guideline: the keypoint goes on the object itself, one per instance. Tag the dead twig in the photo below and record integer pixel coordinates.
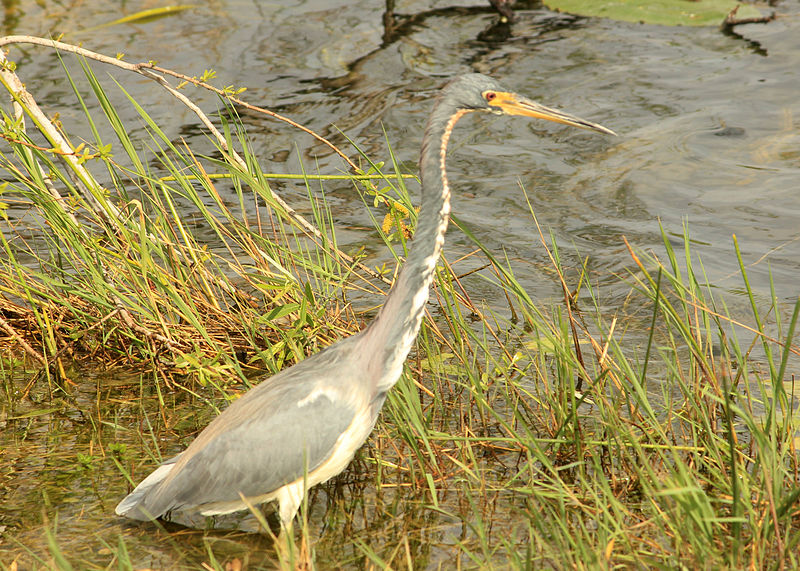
(732, 21)
(24, 344)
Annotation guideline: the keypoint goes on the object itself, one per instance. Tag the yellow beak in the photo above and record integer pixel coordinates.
(513, 104)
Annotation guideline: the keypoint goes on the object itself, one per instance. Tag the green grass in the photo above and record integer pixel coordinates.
(556, 434)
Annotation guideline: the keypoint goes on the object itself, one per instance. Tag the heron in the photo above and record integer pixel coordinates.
(303, 426)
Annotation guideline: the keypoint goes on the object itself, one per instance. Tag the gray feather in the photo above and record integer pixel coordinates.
(259, 443)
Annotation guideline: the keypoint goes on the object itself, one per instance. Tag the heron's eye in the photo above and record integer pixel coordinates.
(489, 95)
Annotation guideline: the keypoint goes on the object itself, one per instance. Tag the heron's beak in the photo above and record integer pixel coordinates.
(513, 104)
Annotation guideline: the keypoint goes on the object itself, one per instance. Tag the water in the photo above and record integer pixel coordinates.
(708, 127)
(706, 121)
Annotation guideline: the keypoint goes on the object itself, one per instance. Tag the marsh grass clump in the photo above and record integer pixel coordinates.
(543, 434)
(679, 448)
(124, 276)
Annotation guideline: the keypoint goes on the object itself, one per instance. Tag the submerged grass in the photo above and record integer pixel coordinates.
(503, 446)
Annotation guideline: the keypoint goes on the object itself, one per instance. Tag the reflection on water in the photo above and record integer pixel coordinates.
(708, 127)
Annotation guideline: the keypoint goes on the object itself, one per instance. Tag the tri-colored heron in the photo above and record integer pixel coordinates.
(304, 425)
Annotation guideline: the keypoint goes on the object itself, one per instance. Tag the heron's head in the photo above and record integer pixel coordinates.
(476, 92)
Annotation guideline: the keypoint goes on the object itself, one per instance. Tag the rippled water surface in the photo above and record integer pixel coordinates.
(707, 121)
(708, 124)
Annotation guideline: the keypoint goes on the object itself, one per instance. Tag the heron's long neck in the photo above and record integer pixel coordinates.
(393, 332)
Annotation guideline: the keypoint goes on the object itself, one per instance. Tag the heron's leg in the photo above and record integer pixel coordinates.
(289, 499)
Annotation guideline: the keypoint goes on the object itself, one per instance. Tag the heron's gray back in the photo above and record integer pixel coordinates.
(276, 433)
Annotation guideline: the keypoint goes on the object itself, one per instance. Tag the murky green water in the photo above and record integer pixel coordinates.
(709, 134)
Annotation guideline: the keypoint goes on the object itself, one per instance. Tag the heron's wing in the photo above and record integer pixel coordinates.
(277, 433)
(129, 505)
